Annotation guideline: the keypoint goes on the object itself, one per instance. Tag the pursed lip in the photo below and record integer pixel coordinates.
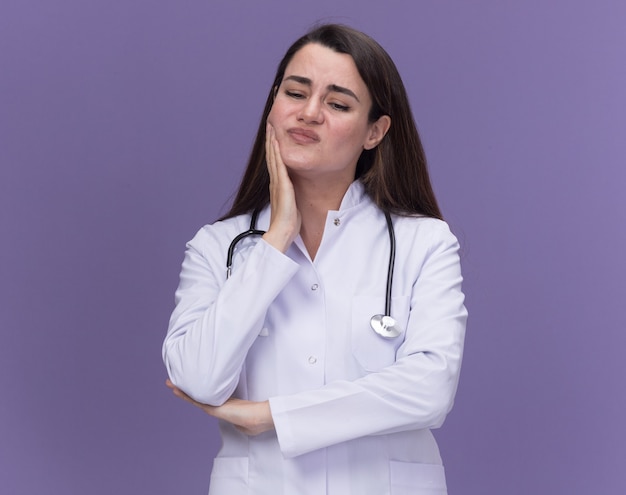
(303, 135)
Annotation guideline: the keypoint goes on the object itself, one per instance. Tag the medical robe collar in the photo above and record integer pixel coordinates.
(354, 196)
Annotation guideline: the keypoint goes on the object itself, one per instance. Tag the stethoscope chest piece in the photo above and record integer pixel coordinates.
(385, 326)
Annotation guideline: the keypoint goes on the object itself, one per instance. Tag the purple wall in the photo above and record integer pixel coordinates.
(124, 126)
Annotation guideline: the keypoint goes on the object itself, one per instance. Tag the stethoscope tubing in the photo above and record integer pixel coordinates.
(231, 249)
(392, 261)
(380, 328)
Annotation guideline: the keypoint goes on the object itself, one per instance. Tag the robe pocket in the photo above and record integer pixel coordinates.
(372, 351)
(229, 476)
(412, 478)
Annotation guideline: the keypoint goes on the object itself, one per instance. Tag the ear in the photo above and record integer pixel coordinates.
(377, 132)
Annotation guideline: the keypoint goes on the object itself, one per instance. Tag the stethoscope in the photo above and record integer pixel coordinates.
(384, 325)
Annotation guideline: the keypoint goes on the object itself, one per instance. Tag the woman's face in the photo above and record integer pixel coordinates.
(320, 115)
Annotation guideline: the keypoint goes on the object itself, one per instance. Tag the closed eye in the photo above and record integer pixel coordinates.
(294, 94)
(340, 107)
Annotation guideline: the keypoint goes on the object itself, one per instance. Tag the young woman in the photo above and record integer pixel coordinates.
(314, 396)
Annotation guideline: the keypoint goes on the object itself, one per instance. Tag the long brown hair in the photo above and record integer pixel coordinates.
(394, 173)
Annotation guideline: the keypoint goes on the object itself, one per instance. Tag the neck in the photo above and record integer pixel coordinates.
(315, 200)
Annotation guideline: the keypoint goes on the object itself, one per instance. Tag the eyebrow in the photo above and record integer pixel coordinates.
(331, 87)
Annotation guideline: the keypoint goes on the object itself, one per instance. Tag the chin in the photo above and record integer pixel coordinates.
(300, 168)
(300, 163)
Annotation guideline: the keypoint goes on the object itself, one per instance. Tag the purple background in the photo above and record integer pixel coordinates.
(124, 127)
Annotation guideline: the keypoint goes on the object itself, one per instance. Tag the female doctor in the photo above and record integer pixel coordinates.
(314, 396)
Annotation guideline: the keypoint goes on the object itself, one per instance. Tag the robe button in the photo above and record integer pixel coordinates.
(312, 360)
(337, 222)
(314, 287)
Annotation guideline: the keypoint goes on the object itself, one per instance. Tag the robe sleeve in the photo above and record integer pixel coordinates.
(415, 392)
(215, 320)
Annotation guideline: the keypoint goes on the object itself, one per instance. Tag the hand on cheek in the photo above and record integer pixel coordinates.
(285, 218)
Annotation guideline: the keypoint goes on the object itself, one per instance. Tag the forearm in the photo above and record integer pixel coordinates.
(214, 324)
(416, 392)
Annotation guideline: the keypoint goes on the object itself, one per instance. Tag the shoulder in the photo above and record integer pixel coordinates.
(218, 235)
(423, 225)
(422, 232)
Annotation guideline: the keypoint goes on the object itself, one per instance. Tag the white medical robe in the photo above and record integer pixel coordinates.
(352, 410)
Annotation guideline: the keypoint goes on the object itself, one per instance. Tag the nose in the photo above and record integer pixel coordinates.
(311, 112)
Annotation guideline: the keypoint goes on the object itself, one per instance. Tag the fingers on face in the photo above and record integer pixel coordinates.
(268, 141)
(269, 151)
(274, 161)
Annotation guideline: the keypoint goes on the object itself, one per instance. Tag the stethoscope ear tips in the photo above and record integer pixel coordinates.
(385, 326)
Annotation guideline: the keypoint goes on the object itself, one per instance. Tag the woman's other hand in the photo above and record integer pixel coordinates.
(251, 418)
(285, 218)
